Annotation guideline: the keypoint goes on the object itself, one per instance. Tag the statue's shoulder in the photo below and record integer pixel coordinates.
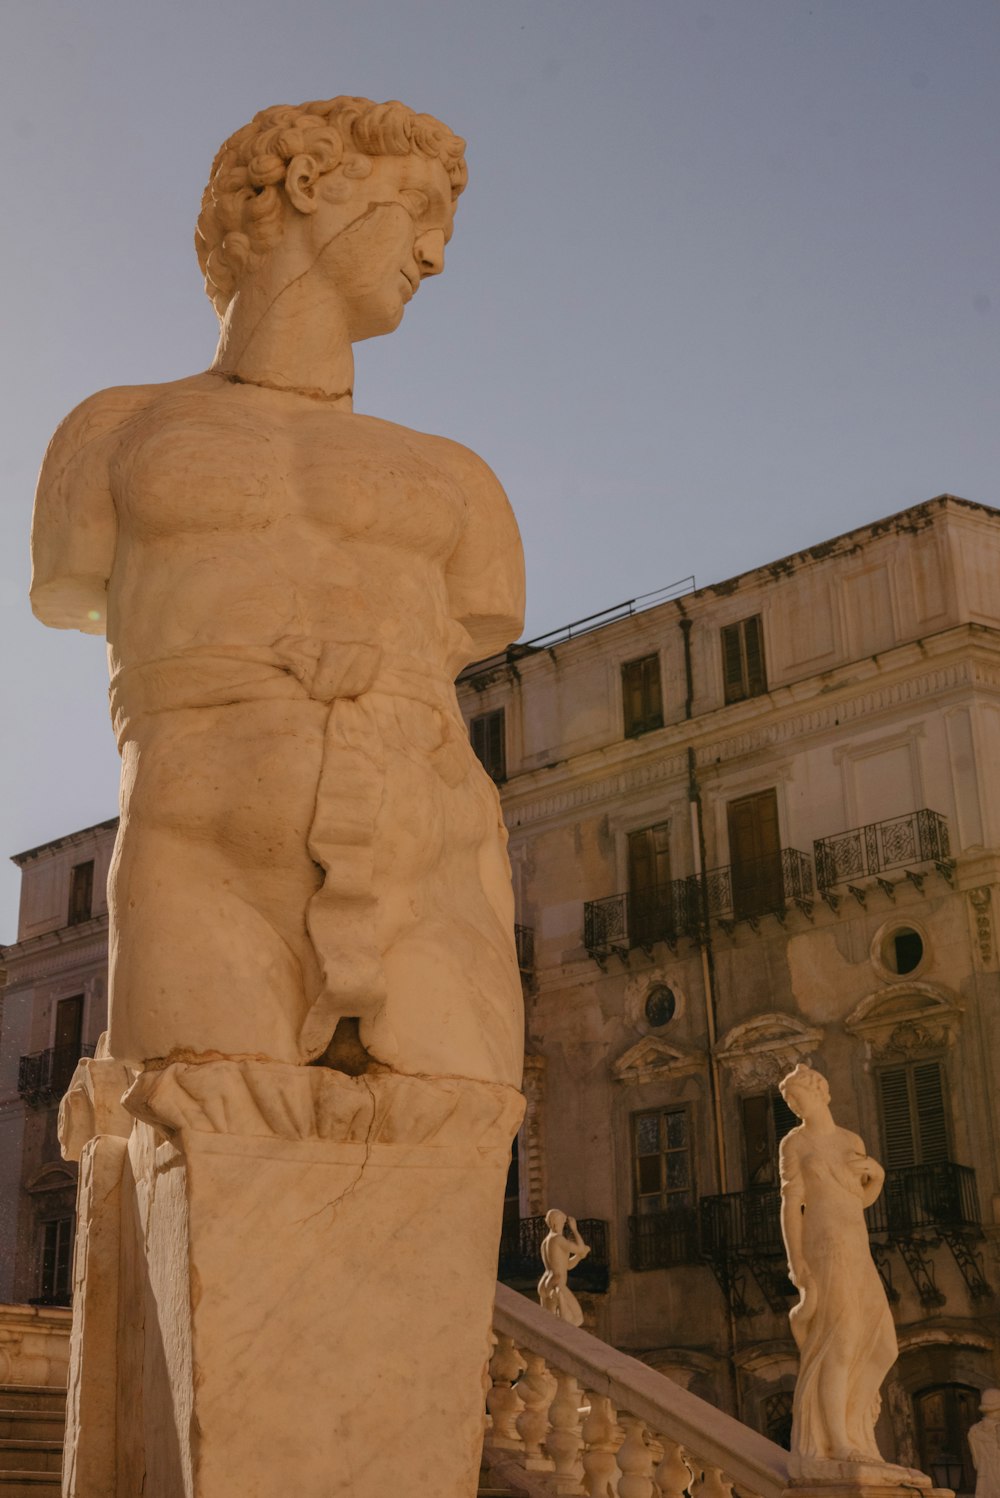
(89, 427)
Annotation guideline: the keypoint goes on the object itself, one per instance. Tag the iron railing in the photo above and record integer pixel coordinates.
(521, 1254)
(662, 913)
(524, 941)
(757, 886)
(658, 1240)
(919, 837)
(915, 1197)
(741, 1223)
(42, 1078)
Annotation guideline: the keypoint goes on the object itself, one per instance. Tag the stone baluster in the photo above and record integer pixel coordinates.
(602, 1438)
(712, 1484)
(502, 1400)
(635, 1461)
(672, 1477)
(564, 1440)
(536, 1387)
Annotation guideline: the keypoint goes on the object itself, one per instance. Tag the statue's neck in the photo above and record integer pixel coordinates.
(284, 332)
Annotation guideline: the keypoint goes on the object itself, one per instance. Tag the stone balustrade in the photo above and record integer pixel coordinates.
(568, 1414)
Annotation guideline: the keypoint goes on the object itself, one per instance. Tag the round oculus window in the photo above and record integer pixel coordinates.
(660, 1006)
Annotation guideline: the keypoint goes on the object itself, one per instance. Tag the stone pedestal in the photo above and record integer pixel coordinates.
(303, 1285)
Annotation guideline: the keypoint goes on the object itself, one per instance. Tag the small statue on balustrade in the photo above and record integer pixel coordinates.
(984, 1443)
(560, 1254)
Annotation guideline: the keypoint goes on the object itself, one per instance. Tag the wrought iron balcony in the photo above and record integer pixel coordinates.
(42, 1078)
(658, 1240)
(621, 922)
(926, 1197)
(757, 886)
(524, 941)
(897, 843)
(521, 1254)
(741, 1223)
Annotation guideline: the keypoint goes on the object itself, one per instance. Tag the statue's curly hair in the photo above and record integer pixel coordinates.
(241, 208)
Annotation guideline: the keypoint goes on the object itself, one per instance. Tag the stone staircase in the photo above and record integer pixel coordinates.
(31, 1440)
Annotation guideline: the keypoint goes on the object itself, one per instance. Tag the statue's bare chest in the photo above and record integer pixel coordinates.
(205, 463)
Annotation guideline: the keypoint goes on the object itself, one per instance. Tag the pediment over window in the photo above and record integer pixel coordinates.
(653, 1059)
(762, 1050)
(52, 1177)
(897, 1023)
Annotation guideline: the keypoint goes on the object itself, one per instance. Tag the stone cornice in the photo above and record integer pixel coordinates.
(56, 951)
(785, 715)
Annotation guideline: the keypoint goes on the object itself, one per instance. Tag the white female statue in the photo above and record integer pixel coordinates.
(842, 1324)
(559, 1255)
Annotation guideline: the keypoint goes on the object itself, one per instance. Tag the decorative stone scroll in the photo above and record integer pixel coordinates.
(906, 1020)
(760, 1051)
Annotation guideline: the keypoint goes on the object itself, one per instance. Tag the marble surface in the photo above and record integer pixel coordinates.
(842, 1323)
(984, 1443)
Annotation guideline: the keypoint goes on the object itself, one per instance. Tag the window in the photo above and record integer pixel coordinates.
(743, 671)
(81, 893)
(642, 697)
(767, 1118)
(755, 855)
(56, 1270)
(488, 735)
(914, 1115)
(650, 910)
(943, 1418)
(661, 1152)
(777, 1413)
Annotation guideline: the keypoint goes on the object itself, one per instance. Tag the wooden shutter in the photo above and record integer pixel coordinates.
(69, 1024)
(898, 1142)
(732, 664)
(642, 696)
(649, 858)
(81, 892)
(753, 641)
(928, 1100)
(783, 1117)
(757, 1139)
(487, 733)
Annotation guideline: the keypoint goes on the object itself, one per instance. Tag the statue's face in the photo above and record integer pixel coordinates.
(377, 244)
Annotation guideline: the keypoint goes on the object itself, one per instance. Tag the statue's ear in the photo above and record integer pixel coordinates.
(300, 183)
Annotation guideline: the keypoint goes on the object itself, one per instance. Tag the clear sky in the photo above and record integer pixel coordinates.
(724, 282)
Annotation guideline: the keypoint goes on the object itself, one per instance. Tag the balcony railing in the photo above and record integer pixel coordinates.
(915, 1197)
(662, 913)
(757, 886)
(659, 1240)
(919, 837)
(741, 1223)
(42, 1078)
(524, 941)
(521, 1254)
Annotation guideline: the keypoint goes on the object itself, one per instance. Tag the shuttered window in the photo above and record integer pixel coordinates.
(914, 1114)
(642, 696)
(81, 893)
(767, 1118)
(743, 671)
(488, 735)
(755, 854)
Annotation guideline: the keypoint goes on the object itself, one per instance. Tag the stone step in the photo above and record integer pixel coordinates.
(31, 1456)
(31, 1425)
(30, 1484)
(32, 1397)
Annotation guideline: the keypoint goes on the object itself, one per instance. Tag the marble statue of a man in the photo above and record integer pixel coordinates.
(560, 1254)
(288, 590)
(288, 1228)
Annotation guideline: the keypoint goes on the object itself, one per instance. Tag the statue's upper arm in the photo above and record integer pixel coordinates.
(788, 1160)
(74, 528)
(485, 572)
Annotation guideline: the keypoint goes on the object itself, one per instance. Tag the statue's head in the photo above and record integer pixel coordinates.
(555, 1220)
(803, 1086)
(369, 188)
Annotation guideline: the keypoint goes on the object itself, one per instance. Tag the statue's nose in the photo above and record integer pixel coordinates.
(428, 252)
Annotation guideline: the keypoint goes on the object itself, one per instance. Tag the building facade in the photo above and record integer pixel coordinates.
(755, 824)
(54, 1009)
(759, 824)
